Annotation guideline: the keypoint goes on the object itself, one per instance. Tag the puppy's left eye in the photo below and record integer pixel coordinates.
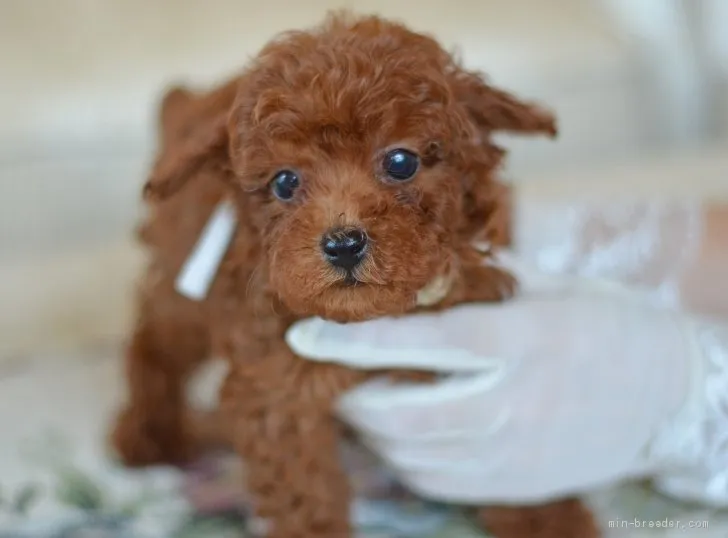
(401, 164)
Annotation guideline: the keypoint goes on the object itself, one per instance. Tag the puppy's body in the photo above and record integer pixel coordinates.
(327, 108)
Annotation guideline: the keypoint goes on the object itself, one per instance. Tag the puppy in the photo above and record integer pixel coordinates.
(358, 157)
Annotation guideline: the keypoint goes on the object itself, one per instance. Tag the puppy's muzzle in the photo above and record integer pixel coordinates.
(344, 248)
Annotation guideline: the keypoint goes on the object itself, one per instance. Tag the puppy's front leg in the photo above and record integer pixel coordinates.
(285, 431)
(480, 283)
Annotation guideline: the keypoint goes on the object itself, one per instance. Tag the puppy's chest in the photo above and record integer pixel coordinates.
(245, 321)
(244, 318)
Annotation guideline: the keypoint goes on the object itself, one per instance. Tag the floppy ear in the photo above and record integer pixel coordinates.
(493, 110)
(174, 110)
(180, 162)
(193, 132)
(489, 110)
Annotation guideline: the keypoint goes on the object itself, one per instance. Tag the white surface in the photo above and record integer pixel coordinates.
(676, 101)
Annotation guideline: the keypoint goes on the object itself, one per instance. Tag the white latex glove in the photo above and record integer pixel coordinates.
(571, 385)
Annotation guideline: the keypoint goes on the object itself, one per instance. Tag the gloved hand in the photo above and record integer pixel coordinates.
(571, 385)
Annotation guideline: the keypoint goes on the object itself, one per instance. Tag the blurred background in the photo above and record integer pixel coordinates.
(640, 88)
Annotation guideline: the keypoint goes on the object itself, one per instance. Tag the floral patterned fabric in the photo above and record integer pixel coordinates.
(57, 479)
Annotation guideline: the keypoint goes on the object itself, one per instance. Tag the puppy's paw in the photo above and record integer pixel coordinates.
(562, 519)
(487, 283)
(141, 440)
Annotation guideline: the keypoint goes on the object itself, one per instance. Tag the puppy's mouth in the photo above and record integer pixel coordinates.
(432, 293)
(350, 279)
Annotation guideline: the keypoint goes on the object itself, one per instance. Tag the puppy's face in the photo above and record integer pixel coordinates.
(365, 163)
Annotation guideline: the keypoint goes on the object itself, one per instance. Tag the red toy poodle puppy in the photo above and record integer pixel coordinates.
(359, 160)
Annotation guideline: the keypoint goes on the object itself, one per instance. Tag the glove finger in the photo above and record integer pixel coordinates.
(424, 342)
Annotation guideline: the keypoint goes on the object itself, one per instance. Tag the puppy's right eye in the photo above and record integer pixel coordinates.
(284, 185)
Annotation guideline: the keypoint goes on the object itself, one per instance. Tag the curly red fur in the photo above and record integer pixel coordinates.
(327, 103)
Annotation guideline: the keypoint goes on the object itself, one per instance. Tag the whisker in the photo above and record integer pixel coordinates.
(252, 277)
(368, 273)
(272, 306)
(305, 248)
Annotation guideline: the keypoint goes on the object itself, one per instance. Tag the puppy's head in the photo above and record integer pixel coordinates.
(366, 150)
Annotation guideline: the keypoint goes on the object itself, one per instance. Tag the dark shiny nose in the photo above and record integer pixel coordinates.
(344, 247)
